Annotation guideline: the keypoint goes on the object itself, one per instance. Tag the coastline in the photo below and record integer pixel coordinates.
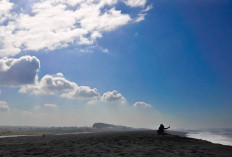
(125, 143)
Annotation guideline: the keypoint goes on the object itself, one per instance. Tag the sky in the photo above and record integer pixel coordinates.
(137, 63)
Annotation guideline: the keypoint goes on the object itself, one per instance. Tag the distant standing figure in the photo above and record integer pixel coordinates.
(161, 129)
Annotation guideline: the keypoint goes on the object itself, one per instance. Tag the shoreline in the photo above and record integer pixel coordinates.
(177, 133)
(213, 138)
(125, 143)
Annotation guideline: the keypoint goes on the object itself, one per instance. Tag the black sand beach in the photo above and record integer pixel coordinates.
(130, 143)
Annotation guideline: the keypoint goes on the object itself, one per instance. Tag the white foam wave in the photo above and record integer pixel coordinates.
(212, 137)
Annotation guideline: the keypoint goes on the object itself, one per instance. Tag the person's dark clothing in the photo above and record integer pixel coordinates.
(161, 129)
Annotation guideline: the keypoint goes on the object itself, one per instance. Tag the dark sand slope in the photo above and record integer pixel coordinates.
(134, 143)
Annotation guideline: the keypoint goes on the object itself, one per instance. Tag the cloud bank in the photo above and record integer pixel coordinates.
(23, 73)
(53, 24)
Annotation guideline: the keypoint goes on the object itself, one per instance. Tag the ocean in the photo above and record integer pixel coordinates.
(219, 136)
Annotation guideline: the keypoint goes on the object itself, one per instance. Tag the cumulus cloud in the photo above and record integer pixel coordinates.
(17, 72)
(58, 84)
(59, 75)
(49, 85)
(113, 96)
(53, 24)
(141, 104)
(4, 106)
(23, 73)
(82, 92)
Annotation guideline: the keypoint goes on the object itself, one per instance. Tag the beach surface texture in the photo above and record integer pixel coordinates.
(128, 143)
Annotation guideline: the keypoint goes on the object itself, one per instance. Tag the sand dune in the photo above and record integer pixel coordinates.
(130, 143)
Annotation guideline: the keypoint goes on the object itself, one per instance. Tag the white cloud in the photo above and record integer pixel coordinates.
(37, 108)
(27, 114)
(113, 96)
(82, 92)
(60, 75)
(50, 106)
(105, 50)
(141, 104)
(141, 16)
(92, 102)
(57, 84)
(17, 72)
(4, 106)
(54, 24)
(23, 72)
(5, 8)
(148, 8)
(135, 3)
(49, 85)
(45, 107)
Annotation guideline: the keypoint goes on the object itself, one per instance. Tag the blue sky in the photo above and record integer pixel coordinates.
(138, 63)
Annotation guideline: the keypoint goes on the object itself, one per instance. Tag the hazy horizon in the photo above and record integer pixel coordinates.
(137, 63)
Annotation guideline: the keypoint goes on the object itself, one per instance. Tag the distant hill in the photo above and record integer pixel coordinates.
(33, 130)
(111, 127)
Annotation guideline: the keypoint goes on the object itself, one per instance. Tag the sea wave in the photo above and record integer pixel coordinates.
(219, 137)
(7, 136)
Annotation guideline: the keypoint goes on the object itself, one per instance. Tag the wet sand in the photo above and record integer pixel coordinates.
(131, 143)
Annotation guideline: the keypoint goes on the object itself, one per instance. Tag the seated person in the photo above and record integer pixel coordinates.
(161, 129)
